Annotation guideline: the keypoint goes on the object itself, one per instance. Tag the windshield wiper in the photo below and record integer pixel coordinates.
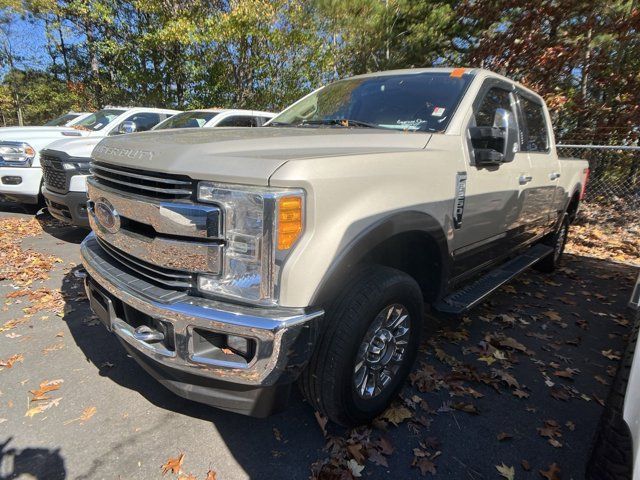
(343, 122)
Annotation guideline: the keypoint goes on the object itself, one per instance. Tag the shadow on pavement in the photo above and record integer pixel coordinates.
(250, 440)
(468, 442)
(10, 206)
(60, 230)
(32, 463)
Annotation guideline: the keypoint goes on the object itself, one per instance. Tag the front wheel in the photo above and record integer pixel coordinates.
(368, 347)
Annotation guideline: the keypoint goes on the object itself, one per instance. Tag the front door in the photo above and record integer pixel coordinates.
(492, 221)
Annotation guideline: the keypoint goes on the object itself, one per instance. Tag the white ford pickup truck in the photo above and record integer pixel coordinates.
(233, 262)
(65, 163)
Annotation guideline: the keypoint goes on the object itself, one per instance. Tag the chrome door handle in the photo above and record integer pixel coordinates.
(554, 175)
(525, 179)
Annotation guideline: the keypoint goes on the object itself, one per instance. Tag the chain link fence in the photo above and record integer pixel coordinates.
(614, 173)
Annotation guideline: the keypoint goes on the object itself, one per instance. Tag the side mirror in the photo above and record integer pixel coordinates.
(494, 145)
(502, 119)
(128, 126)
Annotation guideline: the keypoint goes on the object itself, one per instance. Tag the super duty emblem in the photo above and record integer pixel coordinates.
(129, 153)
(458, 199)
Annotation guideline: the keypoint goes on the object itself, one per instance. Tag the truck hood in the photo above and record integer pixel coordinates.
(37, 137)
(78, 147)
(31, 130)
(247, 155)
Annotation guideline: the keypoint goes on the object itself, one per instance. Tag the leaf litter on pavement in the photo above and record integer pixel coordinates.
(461, 368)
(467, 362)
(173, 465)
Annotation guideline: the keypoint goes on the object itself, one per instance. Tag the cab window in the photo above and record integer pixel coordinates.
(534, 135)
(238, 121)
(496, 98)
(144, 121)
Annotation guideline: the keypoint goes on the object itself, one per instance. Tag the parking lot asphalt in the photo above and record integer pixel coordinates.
(517, 384)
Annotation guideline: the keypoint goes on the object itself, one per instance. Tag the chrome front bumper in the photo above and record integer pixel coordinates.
(284, 337)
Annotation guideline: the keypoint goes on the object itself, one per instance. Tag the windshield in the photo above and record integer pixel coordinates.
(62, 120)
(186, 120)
(98, 120)
(412, 101)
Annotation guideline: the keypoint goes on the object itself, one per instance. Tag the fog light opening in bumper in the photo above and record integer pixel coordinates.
(216, 348)
(11, 180)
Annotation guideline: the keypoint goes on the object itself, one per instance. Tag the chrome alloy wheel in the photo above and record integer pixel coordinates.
(382, 351)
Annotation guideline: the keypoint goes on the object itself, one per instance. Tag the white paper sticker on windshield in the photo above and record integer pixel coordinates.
(438, 112)
(97, 126)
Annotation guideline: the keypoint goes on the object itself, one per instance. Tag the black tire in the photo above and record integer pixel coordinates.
(328, 381)
(557, 240)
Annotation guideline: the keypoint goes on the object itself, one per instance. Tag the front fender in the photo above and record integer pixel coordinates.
(377, 233)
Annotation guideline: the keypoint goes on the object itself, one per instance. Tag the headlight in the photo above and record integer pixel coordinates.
(82, 167)
(17, 154)
(261, 226)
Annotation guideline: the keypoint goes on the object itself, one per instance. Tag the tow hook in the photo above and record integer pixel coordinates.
(145, 334)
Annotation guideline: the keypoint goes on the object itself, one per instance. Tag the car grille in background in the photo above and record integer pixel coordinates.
(166, 277)
(54, 175)
(162, 186)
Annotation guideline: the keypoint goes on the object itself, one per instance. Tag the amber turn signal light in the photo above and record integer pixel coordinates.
(289, 221)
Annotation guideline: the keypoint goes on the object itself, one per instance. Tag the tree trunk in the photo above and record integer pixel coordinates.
(63, 49)
(584, 83)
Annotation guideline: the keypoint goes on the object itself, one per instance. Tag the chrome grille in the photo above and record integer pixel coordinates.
(163, 186)
(54, 175)
(169, 278)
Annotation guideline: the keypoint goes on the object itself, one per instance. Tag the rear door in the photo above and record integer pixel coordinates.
(492, 223)
(540, 182)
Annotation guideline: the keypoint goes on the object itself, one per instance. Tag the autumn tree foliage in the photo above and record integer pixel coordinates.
(582, 56)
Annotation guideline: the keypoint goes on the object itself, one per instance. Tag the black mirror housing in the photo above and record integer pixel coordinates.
(488, 144)
(487, 156)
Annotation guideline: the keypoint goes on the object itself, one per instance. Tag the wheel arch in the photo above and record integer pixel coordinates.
(411, 241)
(573, 204)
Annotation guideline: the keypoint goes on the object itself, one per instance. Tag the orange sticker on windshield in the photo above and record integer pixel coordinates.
(457, 72)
